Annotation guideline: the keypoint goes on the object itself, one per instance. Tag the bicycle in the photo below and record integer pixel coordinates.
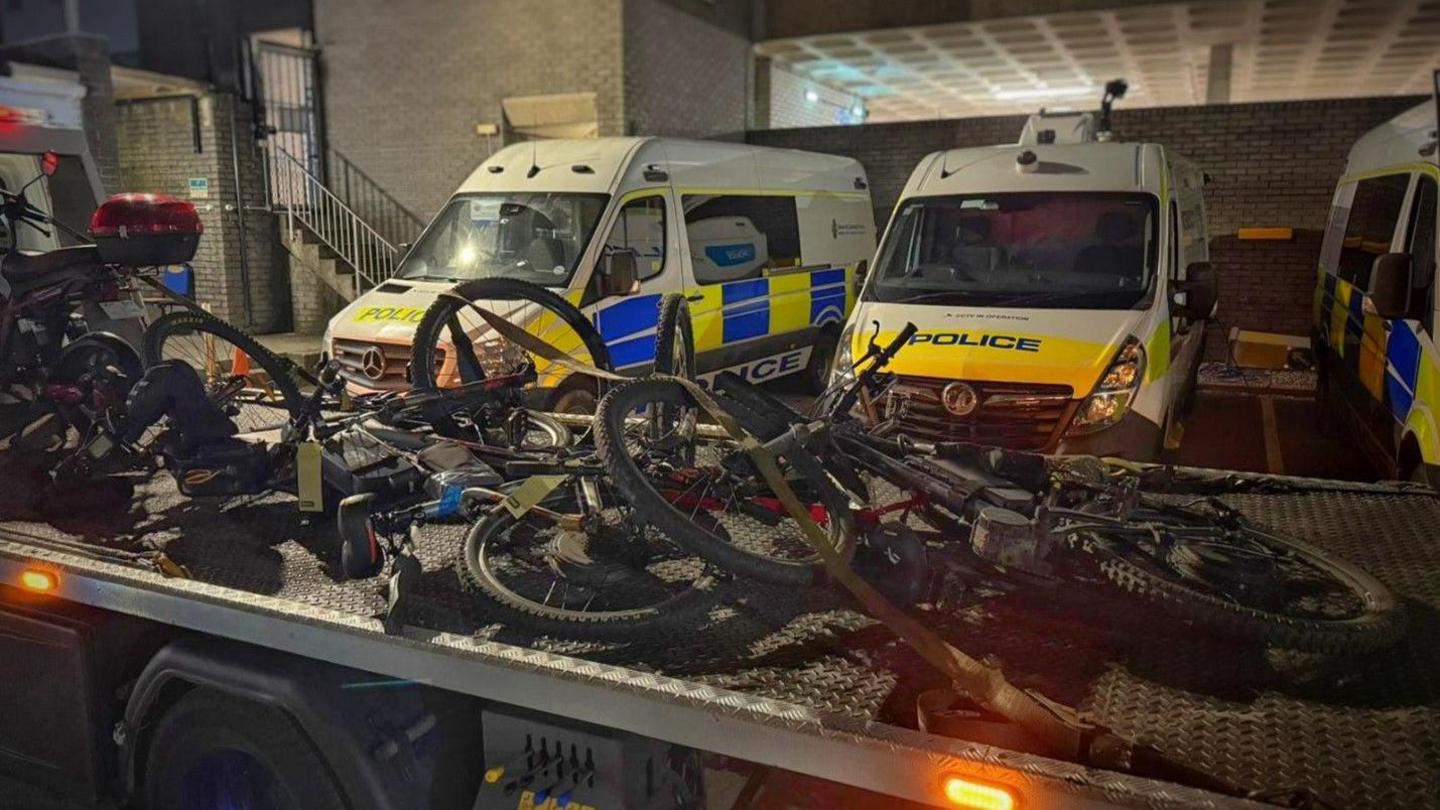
(1024, 519)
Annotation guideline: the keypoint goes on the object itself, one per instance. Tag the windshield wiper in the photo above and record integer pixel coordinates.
(930, 296)
(1053, 295)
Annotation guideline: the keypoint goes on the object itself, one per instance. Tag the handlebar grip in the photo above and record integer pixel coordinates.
(329, 373)
(900, 339)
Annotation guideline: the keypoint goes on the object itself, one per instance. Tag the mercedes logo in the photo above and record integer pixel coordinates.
(372, 363)
(959, 398)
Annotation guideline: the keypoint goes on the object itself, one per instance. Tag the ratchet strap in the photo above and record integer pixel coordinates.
(1057, 728)
(1053, 725)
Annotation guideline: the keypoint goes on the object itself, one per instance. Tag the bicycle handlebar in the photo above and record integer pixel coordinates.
(888, 353)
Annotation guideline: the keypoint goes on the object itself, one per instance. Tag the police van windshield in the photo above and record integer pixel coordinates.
(1056, 250)
(535, 237)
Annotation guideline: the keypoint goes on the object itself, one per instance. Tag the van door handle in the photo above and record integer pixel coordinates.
(695, 297)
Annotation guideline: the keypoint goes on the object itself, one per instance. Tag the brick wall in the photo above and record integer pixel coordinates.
(158, 154)
(1271, 164)
(89, 56)
(783, 97)
(685, 68)
(406, 81)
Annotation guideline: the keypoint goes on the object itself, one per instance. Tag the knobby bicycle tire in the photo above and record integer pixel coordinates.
(1381, 622)
(651, 505)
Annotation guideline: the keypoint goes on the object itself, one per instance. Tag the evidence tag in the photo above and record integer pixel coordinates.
(533, 491)
(99, 446)
(310, 484)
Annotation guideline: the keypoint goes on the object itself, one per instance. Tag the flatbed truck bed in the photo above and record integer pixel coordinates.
(802, 682)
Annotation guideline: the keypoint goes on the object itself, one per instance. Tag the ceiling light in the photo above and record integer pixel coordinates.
(812, 96)
(1043, 92)
(858, 110)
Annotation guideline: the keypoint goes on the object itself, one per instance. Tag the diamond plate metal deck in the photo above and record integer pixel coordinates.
(1363, 733)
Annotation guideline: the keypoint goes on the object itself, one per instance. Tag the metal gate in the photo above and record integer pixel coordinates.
(287, 92)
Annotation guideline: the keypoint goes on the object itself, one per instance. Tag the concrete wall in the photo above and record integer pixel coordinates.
(1272, 164)
(406, 81)
(686, 68)
(158, 154)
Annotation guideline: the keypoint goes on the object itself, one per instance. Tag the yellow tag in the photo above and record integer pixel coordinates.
(530, 493)
(100, 446)
(309, 480)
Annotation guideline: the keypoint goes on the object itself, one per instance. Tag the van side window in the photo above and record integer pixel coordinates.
(1421, 247)
(1373, 216)
(640, 227)
(1335, 229)
(735, 237)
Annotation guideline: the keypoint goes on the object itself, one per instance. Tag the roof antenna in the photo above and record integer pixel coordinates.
(534, 160)
(944, 165)
(1114, 91)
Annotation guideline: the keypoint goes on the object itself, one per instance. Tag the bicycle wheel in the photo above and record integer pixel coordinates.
(544, 432)
(255, 387)
(611, 579)
(687, 501)
(453, 345)
(1235, 578)
(675, 338)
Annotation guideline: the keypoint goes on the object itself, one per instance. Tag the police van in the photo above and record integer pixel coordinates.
(1060, 286)
(764, 243)
(1374, 323)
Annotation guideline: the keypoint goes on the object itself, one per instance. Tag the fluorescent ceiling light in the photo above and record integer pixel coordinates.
(1043, 92)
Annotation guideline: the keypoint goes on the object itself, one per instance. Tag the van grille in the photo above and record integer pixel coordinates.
(1013, 415)
(389, 371)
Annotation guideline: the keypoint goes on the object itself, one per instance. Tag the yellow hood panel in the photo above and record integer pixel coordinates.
(1049, 347)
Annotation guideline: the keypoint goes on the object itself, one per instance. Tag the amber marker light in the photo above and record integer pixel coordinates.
(962, 792)
(39, 580)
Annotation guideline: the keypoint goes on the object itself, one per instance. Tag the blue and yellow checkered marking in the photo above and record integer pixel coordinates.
(628, 329)
(1402, 354)
(749, 309)
(1345, 327)
(745, 309)
(827, 296)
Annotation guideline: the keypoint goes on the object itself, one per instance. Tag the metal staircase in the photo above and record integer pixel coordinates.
(346, 232)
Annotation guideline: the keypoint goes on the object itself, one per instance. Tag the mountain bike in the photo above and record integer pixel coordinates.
(1024, 519)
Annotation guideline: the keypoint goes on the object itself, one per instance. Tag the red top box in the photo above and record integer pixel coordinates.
(142, 230)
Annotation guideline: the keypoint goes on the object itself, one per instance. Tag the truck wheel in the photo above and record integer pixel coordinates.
(210, 750)
(817, 371)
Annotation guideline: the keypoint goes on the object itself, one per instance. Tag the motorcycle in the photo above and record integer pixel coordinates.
(62, 311)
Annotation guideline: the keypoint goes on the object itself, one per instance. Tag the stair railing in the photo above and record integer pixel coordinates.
(364, 196)
(307, 202)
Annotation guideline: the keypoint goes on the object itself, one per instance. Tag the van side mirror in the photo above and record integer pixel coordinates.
(1388, 293)
(1195, 297)
(619, 274)
(861, 269)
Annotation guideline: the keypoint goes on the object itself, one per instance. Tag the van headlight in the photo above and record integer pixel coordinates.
(1115, 392)
(840, 369)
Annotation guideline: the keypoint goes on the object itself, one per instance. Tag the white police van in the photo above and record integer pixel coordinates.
(765, 244)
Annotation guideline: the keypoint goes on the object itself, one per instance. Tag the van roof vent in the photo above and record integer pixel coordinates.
(1058, 127)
